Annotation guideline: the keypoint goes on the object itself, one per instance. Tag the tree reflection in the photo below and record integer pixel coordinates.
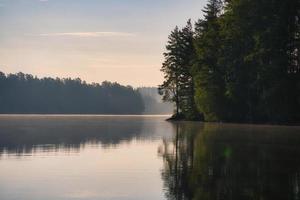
(231, 162)
(26, 134)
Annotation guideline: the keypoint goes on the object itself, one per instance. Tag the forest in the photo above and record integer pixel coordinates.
(239, 63)
(25, 94)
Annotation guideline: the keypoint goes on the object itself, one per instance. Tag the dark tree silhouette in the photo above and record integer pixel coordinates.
(226, 161)
(24, 94)
(246, 62)
(178, 85)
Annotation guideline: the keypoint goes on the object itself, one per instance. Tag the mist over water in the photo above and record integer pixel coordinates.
(144, 157)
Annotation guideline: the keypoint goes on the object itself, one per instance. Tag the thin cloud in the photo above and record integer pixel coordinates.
(89, 34)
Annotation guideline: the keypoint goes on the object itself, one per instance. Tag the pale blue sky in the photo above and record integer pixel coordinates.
(96, 40)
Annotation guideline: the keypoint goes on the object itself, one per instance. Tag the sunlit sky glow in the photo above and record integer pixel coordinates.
(96, 40)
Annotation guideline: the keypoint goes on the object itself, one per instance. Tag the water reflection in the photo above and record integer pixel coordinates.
(24, 134)
(200, 161)
(212, 161)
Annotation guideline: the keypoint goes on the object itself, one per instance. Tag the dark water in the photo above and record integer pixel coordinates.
(145, 157)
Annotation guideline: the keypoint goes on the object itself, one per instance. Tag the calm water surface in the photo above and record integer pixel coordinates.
(145, 157)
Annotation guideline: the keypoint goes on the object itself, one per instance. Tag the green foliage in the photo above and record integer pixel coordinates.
(170, 87)
(207, 70)
(246, 61)
(178, 85)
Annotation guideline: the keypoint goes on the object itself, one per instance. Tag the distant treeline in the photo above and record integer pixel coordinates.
(240, 63)
(25, 94)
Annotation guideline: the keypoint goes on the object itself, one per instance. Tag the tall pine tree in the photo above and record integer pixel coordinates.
(178, 85)
(207, 71)
(171, 66)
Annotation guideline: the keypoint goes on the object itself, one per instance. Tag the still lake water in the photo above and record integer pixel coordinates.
(145, 158)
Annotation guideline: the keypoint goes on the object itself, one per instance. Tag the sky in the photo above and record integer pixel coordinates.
(96, 40)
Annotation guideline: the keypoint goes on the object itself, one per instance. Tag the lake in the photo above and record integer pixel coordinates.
(145, 157)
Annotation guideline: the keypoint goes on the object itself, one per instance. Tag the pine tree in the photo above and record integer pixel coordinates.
(179, 86)
(208, 75)
(186, 80)
(171, 66)
(244, 65)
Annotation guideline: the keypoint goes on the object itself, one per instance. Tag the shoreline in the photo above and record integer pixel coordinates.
(297, 124)
(169, 118)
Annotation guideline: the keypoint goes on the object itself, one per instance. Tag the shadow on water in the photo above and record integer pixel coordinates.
(215, 162)
(21, 135)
